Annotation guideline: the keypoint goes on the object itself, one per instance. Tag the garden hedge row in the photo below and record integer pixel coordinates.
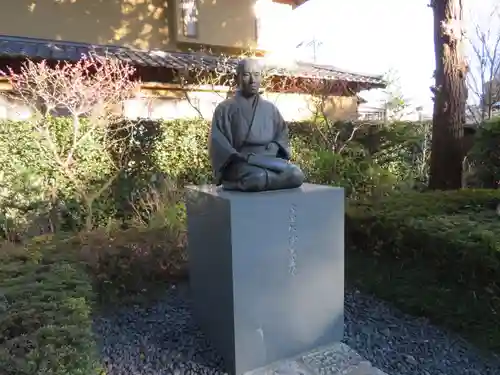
(51, 286)
(38, 194)
(45, 312)
(434, 254)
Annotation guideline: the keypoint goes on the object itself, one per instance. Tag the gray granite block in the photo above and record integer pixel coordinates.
(336, 359)
(267, 271)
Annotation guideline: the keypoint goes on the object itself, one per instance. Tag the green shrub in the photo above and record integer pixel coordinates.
(45, 306)
(129, 264)
(133, 263)
(111, 172)
(403, 149)
(485, 154)
(354, 171)
(435, 254)
(182, 152)
(48, 286)
(417, 204)
(327, 156)
(35, 177)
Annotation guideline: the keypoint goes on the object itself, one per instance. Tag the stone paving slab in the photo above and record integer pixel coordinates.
(337, 359)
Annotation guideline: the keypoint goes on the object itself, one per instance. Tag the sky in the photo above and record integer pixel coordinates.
(369, 36)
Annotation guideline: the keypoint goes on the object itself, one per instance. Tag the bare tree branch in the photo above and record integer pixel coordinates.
(484, 66)
(92, 88)
(218, 76)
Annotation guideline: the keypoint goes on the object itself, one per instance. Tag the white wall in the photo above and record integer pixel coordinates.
(293, 107)
(11, 109)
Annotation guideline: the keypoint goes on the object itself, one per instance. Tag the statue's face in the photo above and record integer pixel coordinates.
(249, 77)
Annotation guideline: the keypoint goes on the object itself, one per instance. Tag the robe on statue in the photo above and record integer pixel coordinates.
(249, 146)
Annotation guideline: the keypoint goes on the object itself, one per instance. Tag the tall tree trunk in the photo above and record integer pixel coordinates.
(450, 96)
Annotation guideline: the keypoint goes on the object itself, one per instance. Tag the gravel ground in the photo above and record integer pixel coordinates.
(163, 339)
(403, 345)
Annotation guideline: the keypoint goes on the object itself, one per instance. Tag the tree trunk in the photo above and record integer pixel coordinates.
(450, 96)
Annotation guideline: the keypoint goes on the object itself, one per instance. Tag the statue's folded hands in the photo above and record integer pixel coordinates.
(249, 144)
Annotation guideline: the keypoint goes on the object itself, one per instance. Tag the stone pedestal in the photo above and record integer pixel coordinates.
(267, 271)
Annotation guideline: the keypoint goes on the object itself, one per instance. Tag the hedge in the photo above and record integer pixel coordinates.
(51, 286)
(133, 263)
(484, 155)
(36, 194)
(434, 254)
(46, 300)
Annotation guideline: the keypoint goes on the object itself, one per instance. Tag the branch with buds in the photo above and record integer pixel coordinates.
(219, 77)
(94, 89)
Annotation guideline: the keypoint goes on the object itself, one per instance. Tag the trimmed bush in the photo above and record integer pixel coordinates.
(49, 287)
(45, 312)
(182, 151)
(132, 263)
(434, 254)
(485, 154)
(111, 170)
(128, 264)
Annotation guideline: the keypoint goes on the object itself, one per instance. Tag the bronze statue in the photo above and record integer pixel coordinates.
(249, 145)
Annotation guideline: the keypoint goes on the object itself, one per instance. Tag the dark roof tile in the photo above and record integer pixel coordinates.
(14, 47)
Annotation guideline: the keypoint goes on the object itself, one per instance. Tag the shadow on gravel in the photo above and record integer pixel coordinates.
(160, 339)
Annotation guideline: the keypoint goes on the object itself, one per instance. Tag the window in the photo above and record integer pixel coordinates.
(258, 26)
(190, 18)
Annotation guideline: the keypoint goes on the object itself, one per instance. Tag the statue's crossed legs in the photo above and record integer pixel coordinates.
(250, 178)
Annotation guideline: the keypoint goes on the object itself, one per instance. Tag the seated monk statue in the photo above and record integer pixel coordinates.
(249, 145)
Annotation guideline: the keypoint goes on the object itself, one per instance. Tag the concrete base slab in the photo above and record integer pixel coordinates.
(337, 359)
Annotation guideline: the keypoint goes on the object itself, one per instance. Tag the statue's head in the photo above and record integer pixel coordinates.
(249, 75)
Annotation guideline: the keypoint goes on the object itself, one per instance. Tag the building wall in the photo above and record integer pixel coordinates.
(143, 24)
(293, 107)
(11, 109)
(299, 107)
(223, 22)
(175, 104)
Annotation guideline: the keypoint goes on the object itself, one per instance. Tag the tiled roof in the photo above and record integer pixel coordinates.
(16, 47)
